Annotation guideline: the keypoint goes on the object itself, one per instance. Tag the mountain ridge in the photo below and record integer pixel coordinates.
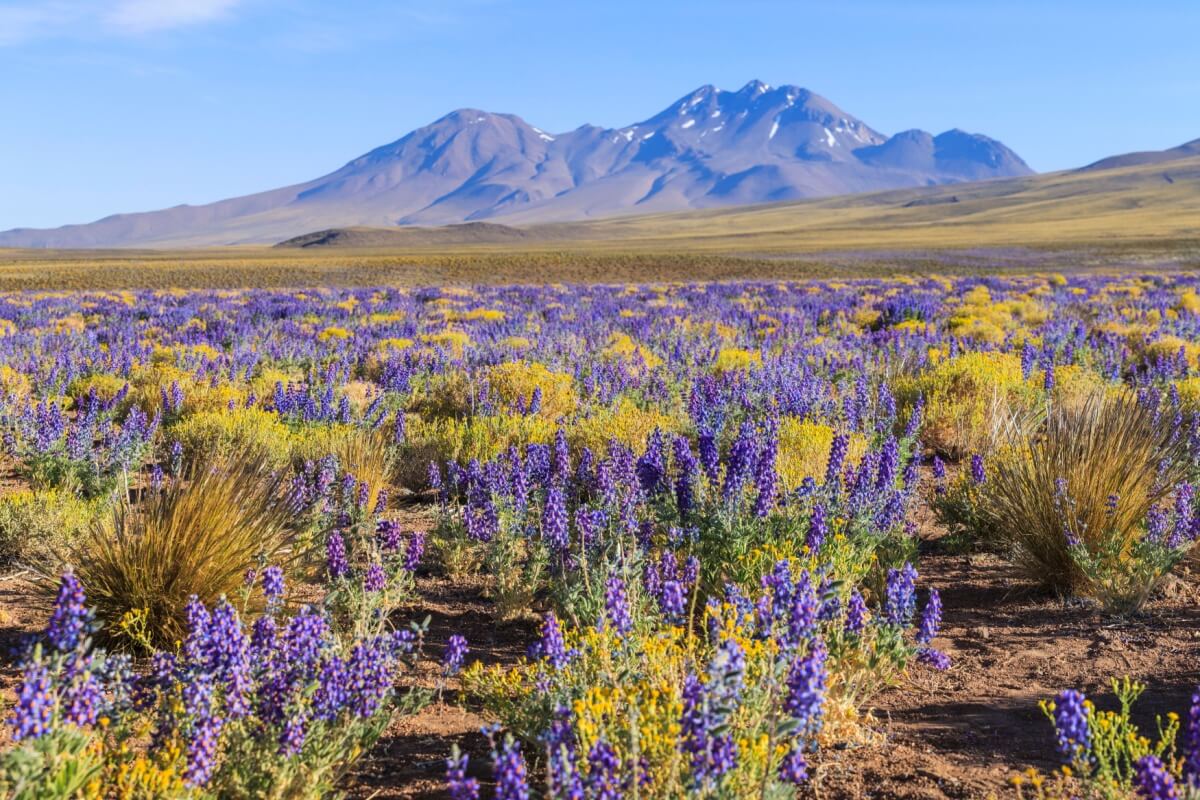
(709, 148)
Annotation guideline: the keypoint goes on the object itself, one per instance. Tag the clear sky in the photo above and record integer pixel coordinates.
(129, 105)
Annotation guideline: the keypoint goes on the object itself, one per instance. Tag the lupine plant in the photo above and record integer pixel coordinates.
(1106, 757)
(276, 708)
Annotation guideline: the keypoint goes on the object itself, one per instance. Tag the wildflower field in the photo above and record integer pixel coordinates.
(897, 537)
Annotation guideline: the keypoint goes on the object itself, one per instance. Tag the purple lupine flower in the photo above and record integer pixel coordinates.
(1028, 359)
(375, 580)
(934, 658)
(765, 480)
(459, 785)
(806, 687)
(901, 595)
(838, 450)
(205, 729)
(332, 694)
(84, 696)
(604, 767)
(685, 483)
(818, 528)
(1071, 718)
(34, 710)
(414, 550)
(561, 457)
(293, 733)
(369, 675)
(931, 619)
(335, 556)
(1156, 524)
(456, 653)
(889, 462)
(939, 468)
(71, 619)
(856, 614)
(794, 768)
(563, 771)
(273, 584)
(554, 520)
(229, 658)
(802, 613)
(742, 459)
(1191, 742)
(710, 457)
(1153, 780)
(616, 605)
(509, 772)
(709, 758)
(978, 474)
(913, 427)
(551, 646)
(673, 600)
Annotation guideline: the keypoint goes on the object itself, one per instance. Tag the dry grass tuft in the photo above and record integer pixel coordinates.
(1090, 471)
(196, 537)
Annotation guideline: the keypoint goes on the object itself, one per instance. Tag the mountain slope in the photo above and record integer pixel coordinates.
(710, 148)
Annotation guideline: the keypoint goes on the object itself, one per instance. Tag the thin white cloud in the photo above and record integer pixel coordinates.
(24, 21)
(146, 16)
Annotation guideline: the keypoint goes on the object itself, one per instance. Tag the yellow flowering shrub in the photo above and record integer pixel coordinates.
(1166, 347)
(464, 438)
(515, 381)
(333, 332)
(966, 397)
(804, 450)
(13, 383)
(733, 359)
(626, 422)
(453, 342)
(622, 346)
(209, 434)
(41, 525)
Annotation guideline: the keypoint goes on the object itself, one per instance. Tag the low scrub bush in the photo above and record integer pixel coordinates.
(529, 386)
(39, 527)
(250, 433)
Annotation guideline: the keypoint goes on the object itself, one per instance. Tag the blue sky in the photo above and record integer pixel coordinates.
(127, 105)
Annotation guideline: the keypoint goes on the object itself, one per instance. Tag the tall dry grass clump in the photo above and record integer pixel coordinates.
(1071, 495)
(198, 536)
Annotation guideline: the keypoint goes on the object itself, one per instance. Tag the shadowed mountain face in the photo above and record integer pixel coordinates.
(709, 148)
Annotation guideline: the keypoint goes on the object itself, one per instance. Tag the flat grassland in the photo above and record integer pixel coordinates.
(1145, 216)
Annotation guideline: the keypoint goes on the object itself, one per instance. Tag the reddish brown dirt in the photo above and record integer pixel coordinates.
(966, 732)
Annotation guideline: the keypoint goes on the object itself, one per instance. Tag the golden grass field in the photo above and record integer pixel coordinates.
(1144, 216)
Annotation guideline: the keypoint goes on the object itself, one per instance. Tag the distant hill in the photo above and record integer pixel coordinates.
(710, 148)
(1186, 150)
(466, 233)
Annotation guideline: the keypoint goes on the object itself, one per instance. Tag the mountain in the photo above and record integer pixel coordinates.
(709, 148)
